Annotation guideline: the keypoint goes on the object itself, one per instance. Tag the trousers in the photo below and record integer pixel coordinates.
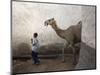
(35, 57)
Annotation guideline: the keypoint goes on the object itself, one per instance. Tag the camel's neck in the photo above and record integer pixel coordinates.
(56, 28)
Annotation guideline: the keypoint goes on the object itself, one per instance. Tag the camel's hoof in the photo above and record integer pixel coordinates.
(74, 63)
(63, 61)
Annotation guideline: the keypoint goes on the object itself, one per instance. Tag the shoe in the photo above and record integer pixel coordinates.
(38, 63)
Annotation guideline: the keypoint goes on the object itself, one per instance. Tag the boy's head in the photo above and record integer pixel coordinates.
(35, 35)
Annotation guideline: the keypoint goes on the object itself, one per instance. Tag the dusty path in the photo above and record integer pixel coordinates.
(45, 65)
(87, 60)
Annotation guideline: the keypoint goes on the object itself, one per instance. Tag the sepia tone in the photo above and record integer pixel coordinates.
(54, 54)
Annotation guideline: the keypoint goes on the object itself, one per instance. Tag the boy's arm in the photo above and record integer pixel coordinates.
(31, 40)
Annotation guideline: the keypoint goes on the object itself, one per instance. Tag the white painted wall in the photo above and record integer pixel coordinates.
(28, 18)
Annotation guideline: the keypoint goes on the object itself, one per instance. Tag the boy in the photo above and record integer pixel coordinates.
(35, 45)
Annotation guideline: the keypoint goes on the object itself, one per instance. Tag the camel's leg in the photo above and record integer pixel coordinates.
(63, 55)
(74, 52)
(77, 51)
(63, 51)
(74, 56)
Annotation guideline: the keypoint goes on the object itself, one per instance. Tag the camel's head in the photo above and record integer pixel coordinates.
(49, 22)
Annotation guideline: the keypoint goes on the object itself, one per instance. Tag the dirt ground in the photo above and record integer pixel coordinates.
(51, 60)
(45, 65)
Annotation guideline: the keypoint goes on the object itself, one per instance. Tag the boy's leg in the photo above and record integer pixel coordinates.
(37, 59)
(34, 57)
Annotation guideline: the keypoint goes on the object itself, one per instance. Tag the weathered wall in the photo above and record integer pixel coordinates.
(89, 25)
(28, 18)
(87, 59)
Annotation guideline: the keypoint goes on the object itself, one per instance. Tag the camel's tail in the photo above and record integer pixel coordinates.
(80, 23)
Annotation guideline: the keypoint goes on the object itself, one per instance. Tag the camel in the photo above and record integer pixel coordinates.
(72, 35)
